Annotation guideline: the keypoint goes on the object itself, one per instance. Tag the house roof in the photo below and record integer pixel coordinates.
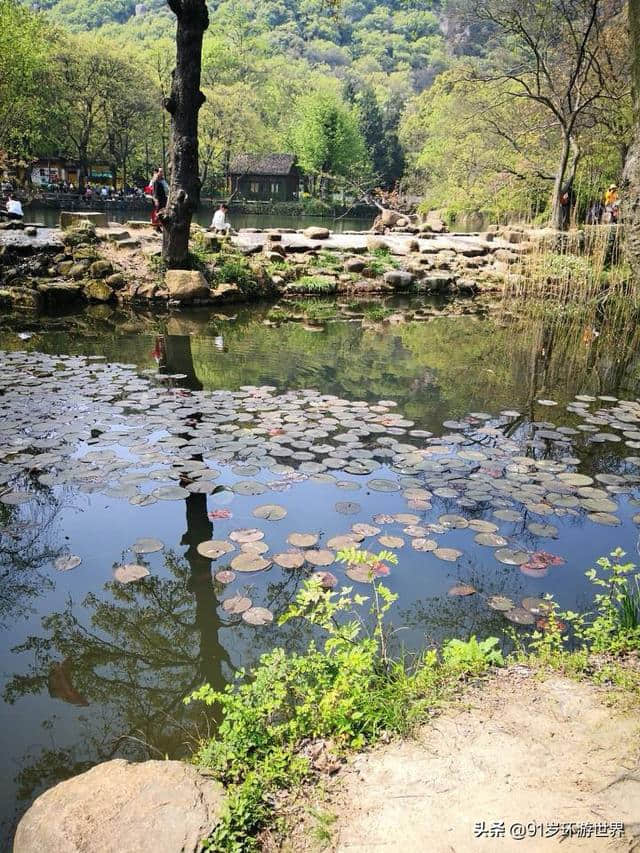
(262, 164)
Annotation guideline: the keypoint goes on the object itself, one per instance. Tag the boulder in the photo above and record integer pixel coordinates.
(116, 281)
(57, 294)
(225, 292)
(316, 232)
(211, 242)
(20, 297)
(186, 285)
(375, 244)
(80, 233)
(354, 265)
(100, 269)
(31, 231)
(85, 253)
(12, 225)
(64, 267)
(114, 236)
(398, 279)
(137, 224)
(78, 270)
(434, 222)
(147, 290)
(122, 807)
(411, 246)
(69, 218)
(274, 236)
(127, 244)
(98, 291)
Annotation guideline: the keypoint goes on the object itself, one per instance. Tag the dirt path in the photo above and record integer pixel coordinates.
(521, 751)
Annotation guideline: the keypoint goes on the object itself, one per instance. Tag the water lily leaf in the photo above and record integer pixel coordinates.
(270, 512)
(537, 606)
(546, 531)
(391, 541)
(404, 518)
(604, 518)
(289, 559)
(481, 526)
(508, 515)
(347, 507)
(219, 513)
(170, 493)
(511, 556)
(491, 540)
(130, 572)
(249, 562)
(424, 545)
(360, 573)
(575, 479)
(327, 579)
(248, 487)
(257, 616)
(347, 540)
(500, 602)
(254, 547)
(453, 521)
(365, 529)
(147, 545)
(462, 589)
(302, 540)
(320, 557)
(143, 500)
(246, 534)
(236, 604)
(213, 549)
(384, 518)
(448, 554)
(68, 562)
(225, 576)
(16, 498)
(520, 616)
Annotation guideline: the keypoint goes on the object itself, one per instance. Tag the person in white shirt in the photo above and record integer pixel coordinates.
(14, 208)
(220, 223)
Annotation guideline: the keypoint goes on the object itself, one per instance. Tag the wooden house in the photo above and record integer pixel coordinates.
(268, 177)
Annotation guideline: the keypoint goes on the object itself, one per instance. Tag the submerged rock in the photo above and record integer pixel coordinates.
(122, 807)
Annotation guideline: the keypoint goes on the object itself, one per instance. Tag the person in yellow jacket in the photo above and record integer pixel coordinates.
(611, 196)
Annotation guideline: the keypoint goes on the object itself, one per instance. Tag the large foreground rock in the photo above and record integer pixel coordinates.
(119, 807)
(316, 232)
(186, 285)
(69, 217)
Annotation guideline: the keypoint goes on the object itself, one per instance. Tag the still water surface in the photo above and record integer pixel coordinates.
(93, 669)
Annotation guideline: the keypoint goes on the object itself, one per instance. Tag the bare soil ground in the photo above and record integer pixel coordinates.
(516, 751)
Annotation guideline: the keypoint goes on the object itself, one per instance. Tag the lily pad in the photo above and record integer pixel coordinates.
(462, 589)
(289, 559)
(302, 540)
(500, 602)
(320, 557)
(246, 534)
(424, 545)
(257, 616)
(225, 576)
(248, 488)
(68, 562)
(16, 498)
(378, 485)
(365, 529)
(508, 515)
(130, 572)
(605, 518)
(327, 579)
(147, 546)
(545, 531)
(453, 521)
(254, 547)
(491, 540)
(482, 526)
(511, 556)
(520, 616)
(537, 606)
(347, 507)
(213, 549)
(270, 512)
(391, 541)
(448, 554)
(249, 561)
(347, 540)
(170, 493)
(236, 604)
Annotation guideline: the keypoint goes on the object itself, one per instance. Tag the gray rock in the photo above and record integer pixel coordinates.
(376, 243)
(186, 285)
(117, 281)
(398, 279)
(31, 231)
(100, 269)
(78, 270)
(316, 232)
(120, 807)
(354, 265)
(127, 244)
(69, 218)
(98, 291)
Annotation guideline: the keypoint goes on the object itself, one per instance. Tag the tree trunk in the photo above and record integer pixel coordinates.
(557, 214)
(631, 175)
(183, 105)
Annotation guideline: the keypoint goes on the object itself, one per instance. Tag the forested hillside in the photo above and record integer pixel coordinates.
(432, 93)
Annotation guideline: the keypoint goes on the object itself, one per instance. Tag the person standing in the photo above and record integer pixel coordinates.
(159, 195)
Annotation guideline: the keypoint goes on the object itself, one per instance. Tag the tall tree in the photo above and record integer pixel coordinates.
(631, 177)
(183, 105)
(552, 52)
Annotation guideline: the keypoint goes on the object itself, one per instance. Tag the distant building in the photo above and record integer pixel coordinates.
(265, 177)
(57, 168)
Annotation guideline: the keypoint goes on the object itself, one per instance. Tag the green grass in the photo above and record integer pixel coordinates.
(314, 284)
(346, 688)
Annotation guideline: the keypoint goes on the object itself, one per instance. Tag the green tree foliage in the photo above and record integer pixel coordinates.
(25, 80)
(327, 137)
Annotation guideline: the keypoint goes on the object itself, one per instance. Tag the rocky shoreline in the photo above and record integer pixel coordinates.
(89, 260)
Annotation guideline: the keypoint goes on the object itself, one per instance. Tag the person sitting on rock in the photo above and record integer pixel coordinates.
(14, 209)
(220, 224)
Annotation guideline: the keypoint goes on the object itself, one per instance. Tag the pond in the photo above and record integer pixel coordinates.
(488, 454)
(50, 216)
